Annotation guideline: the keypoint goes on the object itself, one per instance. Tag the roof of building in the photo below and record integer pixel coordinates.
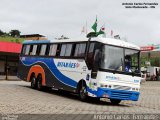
(31, 35)
(10, 47)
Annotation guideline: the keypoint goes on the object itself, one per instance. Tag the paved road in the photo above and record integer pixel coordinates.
(16, 97)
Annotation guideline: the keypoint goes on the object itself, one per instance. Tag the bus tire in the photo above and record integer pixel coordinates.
(115, 101)
(39, 83)
(83, 92)
(33, 82)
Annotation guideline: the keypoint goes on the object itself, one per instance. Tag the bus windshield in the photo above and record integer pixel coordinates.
(119, 59)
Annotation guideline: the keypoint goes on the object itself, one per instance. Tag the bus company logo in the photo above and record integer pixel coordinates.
(68, 64)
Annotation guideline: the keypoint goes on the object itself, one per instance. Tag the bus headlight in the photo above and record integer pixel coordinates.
(135, 89)
(104, 86)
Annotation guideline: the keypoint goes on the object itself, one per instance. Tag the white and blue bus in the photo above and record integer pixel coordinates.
(95, 67)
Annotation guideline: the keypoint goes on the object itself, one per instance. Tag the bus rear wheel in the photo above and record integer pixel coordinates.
(83, 93)
(115, 101)
(33, 82)
(39, 83)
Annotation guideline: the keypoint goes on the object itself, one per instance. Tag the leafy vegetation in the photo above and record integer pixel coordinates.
(12, 36)
(11, 39)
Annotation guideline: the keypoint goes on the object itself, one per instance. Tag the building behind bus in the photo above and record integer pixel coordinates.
(9, 54)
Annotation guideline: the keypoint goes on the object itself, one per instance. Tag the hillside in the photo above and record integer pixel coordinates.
(12, 39)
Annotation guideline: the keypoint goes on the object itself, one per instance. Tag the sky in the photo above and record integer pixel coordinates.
(54, 18)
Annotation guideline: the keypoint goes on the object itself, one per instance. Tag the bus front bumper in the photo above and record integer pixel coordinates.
(118, 94)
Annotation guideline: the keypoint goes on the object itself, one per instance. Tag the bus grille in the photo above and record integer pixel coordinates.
(118, 87)
(120, 95)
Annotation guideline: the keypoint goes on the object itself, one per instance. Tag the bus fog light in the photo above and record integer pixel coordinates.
(137, 89)
(133, 88)
(102, 85)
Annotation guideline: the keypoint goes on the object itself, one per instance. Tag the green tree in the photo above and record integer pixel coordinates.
(1, 33)
(15, 33)
(155, 62)
(17, 41)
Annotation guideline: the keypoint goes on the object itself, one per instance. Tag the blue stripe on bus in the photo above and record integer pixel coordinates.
(50, 63)
(35, 41)
(115, 94)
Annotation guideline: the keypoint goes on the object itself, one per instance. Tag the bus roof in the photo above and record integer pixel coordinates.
(109, 41)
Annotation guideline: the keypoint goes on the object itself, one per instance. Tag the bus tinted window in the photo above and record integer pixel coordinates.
(90, 55)
(63, 50)
(66, 50)
(23, 50)
(34, 50)
(43, 50)
(53, 49)
(27, 50)
(91, 47)
(31, 50)
(80, 50)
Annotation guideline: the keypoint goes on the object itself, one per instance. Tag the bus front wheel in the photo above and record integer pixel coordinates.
(33, 82)
(115, 101)
(83, 93)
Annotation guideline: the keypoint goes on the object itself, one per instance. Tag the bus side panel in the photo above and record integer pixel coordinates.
(23, 71)
(50, 79)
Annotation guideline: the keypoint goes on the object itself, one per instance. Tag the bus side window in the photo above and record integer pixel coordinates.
(43, 49)
(52, 50)
(80, 50)
(66, 50)
(34, 50)
(76, 50)
(31, 49)
(63, 50)
(23, 49)
(27, 49)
